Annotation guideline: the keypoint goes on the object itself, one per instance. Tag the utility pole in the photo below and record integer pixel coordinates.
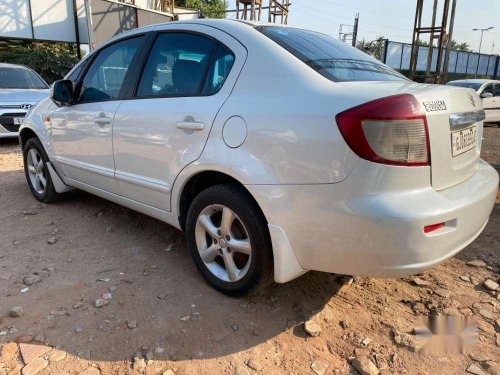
(355, 30)
(444, 77)
(482, 32)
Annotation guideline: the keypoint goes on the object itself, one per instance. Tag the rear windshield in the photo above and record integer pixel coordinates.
(334, 60)
(468, 85)
(20, 78)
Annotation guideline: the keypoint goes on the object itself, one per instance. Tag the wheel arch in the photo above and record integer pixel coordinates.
(25, 134)
(201, 180)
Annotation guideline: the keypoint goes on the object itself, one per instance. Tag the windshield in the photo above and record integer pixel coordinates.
(468, 85)
(20, 78)
(334, 60)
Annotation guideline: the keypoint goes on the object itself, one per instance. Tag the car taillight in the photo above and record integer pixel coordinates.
(391, 130)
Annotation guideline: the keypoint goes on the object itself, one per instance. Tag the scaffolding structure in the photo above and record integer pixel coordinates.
(442, 34)
(252, 10)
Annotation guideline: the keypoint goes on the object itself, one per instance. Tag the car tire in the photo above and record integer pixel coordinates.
(229, 240)
(37, 172)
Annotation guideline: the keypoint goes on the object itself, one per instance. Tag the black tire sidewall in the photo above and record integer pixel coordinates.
(49, 189)
(260, 271)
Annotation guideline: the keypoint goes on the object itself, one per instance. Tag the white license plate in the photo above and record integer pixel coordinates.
(463, 140)
(18, 120)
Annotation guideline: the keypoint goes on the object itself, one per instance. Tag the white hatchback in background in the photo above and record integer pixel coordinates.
(489, 91)
(20, 88)
(277, 150)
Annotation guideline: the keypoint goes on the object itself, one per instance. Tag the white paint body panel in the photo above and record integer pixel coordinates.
(326, 209)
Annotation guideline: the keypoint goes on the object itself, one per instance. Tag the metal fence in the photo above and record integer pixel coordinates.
(397, 55)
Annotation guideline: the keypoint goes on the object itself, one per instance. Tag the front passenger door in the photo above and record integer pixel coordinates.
(186, 79)
(82, 133)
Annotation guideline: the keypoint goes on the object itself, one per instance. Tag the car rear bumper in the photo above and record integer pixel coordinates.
(360, 227)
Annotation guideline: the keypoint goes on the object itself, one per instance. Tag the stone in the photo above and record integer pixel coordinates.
(100, 302)
(39, 338)
(240, 370)
(24, 339)
(445, 293)
(497, 340)
(345, 324)
(35, 366)
(33, 279)
(168, 372)
(31, 351)
(8, 352)
(159, 350)
(42, 273)
(486, 314)
(402, 338)
(312, 328)
(364, 366)
(56, 355)
(490, 284)
(497, 325)
(465, 278)
(78, 305)
(420, 282)
(319, 368)
(149, 355)
(16, 312)
(254, 365)
(477, 263)
(132, 324)
(366, 341)
(52, 240)
(473, 369)
(90, 371)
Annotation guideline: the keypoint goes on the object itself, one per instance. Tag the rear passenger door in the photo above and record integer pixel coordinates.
(187, 75)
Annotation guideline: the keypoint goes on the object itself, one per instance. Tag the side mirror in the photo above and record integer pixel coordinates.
(486, 95)
(62, 92)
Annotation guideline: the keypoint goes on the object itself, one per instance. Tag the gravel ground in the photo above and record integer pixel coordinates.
(159, 315)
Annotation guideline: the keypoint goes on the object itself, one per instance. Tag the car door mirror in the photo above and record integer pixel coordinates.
(62, 92)
(486, 95)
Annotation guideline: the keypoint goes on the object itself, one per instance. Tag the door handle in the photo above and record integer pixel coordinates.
(190, 125)
(103, 120)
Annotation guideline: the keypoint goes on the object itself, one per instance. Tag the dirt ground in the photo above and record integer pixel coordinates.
(163, 316)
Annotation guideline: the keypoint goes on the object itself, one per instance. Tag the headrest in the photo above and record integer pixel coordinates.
(186, 76)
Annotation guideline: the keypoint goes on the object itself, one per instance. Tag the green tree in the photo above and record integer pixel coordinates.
(374, 48)
(49, 59)
(209, 8)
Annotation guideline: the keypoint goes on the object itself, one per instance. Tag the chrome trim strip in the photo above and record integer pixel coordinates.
(459, 121)
(86, 167)
(133, 179)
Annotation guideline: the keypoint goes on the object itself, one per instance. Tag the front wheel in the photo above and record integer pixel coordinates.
(37, 172)
(229, 240)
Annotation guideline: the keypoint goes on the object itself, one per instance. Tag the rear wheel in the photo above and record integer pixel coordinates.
(37, 172)
(229, 240)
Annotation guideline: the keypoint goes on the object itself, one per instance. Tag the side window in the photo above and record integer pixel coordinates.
(73, 75)
(488, 89)
(219, 70)
(176, 65)
(497, 89)
(104, 78)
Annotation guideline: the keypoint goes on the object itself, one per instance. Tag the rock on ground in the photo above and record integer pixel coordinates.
(90, 371)
(312, 328)
(473, 369)
(56, 355)
(30, 352)
(319, 368)
(15, 311)
(254, 365)
(477, 263)
(364, 366)
(35, 366)
(490, 285)
(240, 370)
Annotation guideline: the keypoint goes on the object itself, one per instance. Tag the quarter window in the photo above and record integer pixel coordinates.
(105, 77)
(222, 63)
(488, 89)
(176, 66)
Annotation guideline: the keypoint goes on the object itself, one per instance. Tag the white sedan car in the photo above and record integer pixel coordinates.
(20, 88)
(489, 91)
(277, 150)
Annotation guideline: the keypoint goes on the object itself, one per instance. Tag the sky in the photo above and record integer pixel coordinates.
(394, 19)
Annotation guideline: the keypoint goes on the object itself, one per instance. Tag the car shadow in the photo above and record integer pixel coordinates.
(157, 298)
